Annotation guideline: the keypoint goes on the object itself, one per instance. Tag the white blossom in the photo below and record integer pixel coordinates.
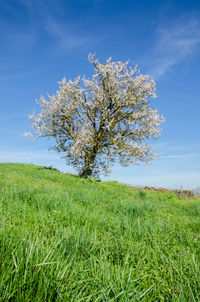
(99, 120)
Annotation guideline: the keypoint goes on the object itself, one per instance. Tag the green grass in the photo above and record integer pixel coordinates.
(63, 238)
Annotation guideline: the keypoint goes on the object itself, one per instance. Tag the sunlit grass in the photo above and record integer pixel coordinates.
(63, 238)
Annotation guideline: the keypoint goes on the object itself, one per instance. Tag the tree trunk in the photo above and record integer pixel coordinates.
(88, 167)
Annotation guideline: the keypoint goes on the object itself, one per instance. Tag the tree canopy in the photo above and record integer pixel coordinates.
(99, 120)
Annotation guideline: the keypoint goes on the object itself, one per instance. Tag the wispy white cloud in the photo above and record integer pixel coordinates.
(175, 146)
(12, 117)
(174, 44)
(65, 37)
(28, 155)
(178, 154)
(187, 156)
(21, 40)
(53, 22)
(45, 17)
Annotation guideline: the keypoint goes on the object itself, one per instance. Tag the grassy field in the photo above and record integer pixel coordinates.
(63, 238)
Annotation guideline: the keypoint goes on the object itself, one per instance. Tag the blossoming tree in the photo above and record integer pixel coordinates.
(96, 121)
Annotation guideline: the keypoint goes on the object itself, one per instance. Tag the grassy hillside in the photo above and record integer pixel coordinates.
(67, 239)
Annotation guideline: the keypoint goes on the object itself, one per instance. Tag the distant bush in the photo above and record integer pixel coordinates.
(142, 194)
(50, 168)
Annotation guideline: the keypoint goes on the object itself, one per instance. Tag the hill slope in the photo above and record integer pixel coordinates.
(63, 238)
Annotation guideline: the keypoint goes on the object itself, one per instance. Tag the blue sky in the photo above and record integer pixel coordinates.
(43, 41)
